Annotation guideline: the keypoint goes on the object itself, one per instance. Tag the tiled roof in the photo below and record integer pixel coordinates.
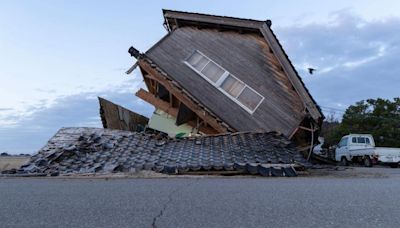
(90, 150)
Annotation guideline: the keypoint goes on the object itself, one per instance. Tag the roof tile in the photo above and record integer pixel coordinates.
(89, 150)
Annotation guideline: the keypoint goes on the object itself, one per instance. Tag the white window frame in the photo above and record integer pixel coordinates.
(219, 82)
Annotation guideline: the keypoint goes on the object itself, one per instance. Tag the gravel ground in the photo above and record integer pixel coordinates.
(359, 198)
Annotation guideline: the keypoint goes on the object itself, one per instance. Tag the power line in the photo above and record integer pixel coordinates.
(341, 111)
(375, 117)
(336, 109)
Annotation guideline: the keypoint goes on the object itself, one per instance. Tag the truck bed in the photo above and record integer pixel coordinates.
(388, 154)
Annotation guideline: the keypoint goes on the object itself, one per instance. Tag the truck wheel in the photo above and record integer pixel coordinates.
(343, 162)
(367, 162)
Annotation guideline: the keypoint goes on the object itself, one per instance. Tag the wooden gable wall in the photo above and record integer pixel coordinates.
(249, 58)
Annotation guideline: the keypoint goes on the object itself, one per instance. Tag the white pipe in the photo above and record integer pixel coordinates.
(312, 141)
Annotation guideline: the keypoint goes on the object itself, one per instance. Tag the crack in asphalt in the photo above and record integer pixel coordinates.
(153, 224)
(160, 214)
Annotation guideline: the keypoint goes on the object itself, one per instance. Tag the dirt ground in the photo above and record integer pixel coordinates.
(10, 162)
(327, 172)
(352, 171)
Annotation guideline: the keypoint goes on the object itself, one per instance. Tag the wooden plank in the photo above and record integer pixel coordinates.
(117, 117)
(203, 128)
(165, 106)
(182, 97)
(147, 81)
(151, 99)
(293, 133)
(308, 129)
(133, 67)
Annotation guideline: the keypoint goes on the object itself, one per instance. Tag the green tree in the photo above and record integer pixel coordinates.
(379, 117)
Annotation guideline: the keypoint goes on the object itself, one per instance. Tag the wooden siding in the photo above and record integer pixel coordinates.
(116, 117)
(183, 96)
(248, 57)
(290, 71)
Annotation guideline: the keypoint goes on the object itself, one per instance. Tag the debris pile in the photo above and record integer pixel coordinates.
(95, 150)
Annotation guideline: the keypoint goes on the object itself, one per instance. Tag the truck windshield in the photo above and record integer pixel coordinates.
(343, 142)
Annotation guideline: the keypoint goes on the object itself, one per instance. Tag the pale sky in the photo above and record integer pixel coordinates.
(56, 57)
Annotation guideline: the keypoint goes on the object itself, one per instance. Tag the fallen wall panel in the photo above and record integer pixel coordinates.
(117, 117)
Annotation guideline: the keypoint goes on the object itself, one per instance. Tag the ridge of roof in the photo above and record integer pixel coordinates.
(184, 17)
(205, 14)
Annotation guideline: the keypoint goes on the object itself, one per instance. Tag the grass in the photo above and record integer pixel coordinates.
(10, 162)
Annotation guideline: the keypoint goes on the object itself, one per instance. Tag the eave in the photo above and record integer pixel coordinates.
(174, 19)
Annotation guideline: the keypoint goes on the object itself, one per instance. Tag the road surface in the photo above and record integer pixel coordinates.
(202, 202)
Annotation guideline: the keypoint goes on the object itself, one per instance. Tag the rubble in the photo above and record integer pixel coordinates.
(95, 150)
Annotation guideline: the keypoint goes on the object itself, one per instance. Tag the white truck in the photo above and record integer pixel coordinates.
(361, 148)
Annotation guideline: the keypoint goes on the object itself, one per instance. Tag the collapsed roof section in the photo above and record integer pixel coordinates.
(224, 74)
(95, 150)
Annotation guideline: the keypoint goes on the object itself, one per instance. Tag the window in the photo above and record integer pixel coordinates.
(212, 71)
(232, 86)
(249, 98)
(361, 140)
(343, 142)
(227, 83)
(198, 61)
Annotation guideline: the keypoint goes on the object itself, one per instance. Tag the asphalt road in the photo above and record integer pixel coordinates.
(202, 202)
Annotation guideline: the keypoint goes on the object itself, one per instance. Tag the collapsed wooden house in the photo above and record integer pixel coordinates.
(216, 74)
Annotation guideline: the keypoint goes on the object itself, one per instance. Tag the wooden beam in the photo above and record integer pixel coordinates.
(176, 23)
(146, 80)
(155, 75)
(293, 133)
(170, 100)
(132, 68)
(308, 129)
(204, 129)
(163, 105)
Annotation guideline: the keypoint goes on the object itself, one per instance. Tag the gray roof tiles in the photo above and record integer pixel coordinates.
(90, 150)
